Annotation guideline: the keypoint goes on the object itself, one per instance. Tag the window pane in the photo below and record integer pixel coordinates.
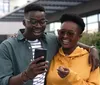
(92, 18)
(99, 17)
(84, 19)
(52, 27)
(85, 30)
(92, 27)
(1, 1)
(55, 26)
(4, 6)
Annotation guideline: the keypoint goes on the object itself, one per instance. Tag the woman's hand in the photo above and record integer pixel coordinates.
(63, 72)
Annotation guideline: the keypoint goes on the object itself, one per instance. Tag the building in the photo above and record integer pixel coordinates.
(89, 10)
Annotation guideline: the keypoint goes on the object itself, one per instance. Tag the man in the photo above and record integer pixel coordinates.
(17, 63)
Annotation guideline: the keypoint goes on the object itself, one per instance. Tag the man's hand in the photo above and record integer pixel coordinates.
(36, 68)
(63, 72)
(93, 55)
(94, 58)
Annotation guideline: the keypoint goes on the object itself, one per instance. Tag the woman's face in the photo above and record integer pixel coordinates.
(69, 34)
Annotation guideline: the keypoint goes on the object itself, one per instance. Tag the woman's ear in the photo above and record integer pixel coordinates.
(80, 36)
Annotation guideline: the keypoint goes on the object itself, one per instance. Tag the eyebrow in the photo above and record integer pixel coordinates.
(36, 19)
(67, 30)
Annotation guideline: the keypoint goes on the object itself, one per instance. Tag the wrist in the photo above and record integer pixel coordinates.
(24, 76)
(91, 47)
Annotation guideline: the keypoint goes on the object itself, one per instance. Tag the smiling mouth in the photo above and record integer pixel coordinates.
(37, 32)
(65, 41)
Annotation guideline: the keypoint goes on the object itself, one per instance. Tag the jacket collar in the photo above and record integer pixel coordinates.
(20, 34)
(21, 37)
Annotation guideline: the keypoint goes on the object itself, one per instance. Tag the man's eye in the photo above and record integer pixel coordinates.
(42, 21)
(33, 21)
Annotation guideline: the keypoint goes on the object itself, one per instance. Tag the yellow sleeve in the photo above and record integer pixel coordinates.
(74, 79)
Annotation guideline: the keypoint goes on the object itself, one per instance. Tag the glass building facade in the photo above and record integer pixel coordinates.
(4, 6)
(92, 24)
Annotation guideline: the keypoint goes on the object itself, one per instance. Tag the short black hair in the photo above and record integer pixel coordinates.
(33, 7)
(74, 18)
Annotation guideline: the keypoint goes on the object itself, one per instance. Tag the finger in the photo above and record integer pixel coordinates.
(90, 59)
(42, 71)
(92, 63)
(42, 68)
(36, 60)
(96, 64)
(61, 71)
(38, 66)
(42, 63)
(62, 75)
(65, 71)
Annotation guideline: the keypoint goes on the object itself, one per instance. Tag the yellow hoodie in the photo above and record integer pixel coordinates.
(80, 70)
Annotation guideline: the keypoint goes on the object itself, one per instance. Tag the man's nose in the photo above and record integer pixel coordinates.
(38, 25)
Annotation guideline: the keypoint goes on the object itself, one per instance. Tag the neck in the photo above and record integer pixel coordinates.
(29, 36)
(68, 51)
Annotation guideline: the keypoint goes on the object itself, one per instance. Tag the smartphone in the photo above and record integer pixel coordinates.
(40, 52)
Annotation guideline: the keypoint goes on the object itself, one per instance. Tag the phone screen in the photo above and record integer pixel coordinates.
(40, 52)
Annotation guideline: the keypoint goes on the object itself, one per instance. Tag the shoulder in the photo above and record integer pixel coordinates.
(8, 42)
(51, 36)
(81, 51)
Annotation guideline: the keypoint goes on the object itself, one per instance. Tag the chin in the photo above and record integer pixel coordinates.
(37, 36)
(66, 47)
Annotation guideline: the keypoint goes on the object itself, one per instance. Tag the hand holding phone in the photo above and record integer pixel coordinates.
(40, 52)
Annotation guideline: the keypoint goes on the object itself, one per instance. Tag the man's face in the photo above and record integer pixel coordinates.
(69, 34)
(35, 23)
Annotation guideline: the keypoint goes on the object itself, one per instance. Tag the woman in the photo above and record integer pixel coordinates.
(70, 65)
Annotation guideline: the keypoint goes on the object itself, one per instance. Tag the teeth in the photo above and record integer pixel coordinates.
(65, 41)
(37, 31)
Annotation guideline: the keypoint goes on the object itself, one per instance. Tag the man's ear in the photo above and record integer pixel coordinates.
(24, 22)
(58, 31)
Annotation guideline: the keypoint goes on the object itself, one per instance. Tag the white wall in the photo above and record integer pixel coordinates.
(19, 3)
(14, 3)
(10, 27)
(7, 28)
